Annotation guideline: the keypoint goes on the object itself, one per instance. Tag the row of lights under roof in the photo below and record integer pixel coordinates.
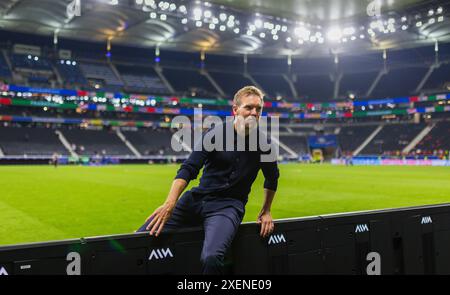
(68, 62)
(264, 28)
(35, 58)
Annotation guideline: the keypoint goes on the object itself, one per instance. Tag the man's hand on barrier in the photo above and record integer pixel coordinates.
(159, 218)
(266, 222)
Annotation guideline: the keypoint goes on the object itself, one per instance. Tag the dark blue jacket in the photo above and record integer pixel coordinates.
(228, 173)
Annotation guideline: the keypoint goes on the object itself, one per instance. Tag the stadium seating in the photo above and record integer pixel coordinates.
(392, 139)
(30, 141)
(21, 61)
(187, 81)
(438, 79)
(96, 142)
(70, 73)
(437, 139)
(314, 87)
(230, 82)
(274, 85)
(351, 137)
(296, 143)
(356, 83)
(399, 82)
(4, 69)
(142, 80)
(102, 72)
(151, 141)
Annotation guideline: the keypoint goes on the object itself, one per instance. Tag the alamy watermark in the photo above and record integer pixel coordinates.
(229, 135)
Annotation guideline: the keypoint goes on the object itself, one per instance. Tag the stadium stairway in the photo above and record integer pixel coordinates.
(213, 82)
(291, 85)
(250, 77)
(368, 140)
(7, 60)
(418, 138)
(159, 72)
(128, 144)
(66, 143)
(285, 147)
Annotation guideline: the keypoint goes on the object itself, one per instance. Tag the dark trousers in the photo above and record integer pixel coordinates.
(220, 218)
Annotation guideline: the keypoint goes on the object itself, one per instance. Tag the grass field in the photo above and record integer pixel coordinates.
(41, 203)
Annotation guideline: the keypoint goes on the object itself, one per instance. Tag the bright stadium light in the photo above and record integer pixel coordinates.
(334, 34)
(222, 28)
(163, 17)
(207, 13)
(258, 23)
(439, 10)
(288, 39)
(182, 9)
(36, 58)
(262, 35)
(431, 21)
(223, 17)
(440, 18)
(68, 62)
(215, 20)
(153, 15)
(404, 19)
(302, 33)
(212, 26)
(236, 30)
(198, 13)
(249, 32)
(172, 7)
(139, 2)
(275, 37)
(284, 29)
(198, 23)
(184, 21)
(349, 31)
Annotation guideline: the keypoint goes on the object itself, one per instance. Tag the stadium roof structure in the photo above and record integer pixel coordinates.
(302, 28)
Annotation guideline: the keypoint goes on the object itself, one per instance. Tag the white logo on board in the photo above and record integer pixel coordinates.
(426, 220)
(160, 254)
(360, 228)
(276, 239)
(3, 272)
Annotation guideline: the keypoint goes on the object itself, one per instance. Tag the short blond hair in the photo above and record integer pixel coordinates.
(245, 91)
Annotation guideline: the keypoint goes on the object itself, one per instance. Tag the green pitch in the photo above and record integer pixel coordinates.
(42, 203)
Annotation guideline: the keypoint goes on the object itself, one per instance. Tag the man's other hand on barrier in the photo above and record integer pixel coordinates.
(266, 222)
(159, 218)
